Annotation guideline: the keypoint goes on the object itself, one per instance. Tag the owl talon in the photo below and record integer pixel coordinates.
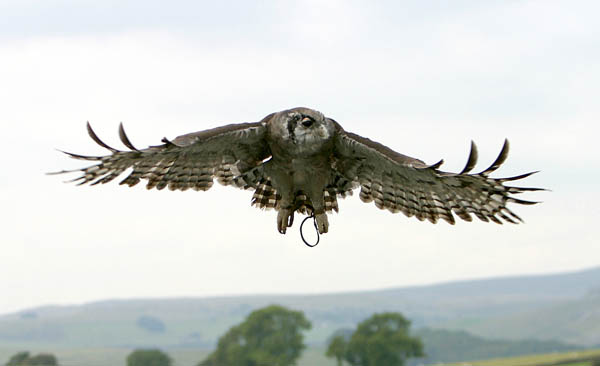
(285, 219)
(322, 223)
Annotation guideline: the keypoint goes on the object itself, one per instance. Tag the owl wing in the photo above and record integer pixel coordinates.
(230, 153)
(400, 183)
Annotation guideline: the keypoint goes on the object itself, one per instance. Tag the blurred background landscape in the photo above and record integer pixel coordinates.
(457, 321)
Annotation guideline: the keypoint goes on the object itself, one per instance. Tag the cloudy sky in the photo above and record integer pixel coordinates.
(423, 78)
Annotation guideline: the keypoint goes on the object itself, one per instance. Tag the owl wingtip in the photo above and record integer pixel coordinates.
(97, 140)
(124, 139)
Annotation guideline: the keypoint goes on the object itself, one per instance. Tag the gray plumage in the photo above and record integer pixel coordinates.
(300, 160)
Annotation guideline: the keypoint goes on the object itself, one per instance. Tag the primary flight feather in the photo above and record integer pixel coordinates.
(300, 160)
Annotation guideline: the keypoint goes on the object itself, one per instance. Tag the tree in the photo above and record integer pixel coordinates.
(148, 357)
(269, 336)
(24, 359)
(18, 359)
(337, 348)
(43, 359)
(383, 339)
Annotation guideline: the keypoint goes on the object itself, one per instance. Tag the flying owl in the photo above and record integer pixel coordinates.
(300, 160)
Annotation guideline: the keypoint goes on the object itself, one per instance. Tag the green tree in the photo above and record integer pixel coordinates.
(270, 336)
(43, 359)
(24, 359)
(383, 339)
(18, 359)
(337, 348)
(148, 357)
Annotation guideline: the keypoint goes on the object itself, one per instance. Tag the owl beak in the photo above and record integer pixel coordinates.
(307, 122)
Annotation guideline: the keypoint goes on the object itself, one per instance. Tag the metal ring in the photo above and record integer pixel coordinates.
(312, 216)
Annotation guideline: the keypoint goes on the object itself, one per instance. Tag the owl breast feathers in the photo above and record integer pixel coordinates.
(298, 160)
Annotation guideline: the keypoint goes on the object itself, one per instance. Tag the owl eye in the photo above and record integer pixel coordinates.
(307, 121)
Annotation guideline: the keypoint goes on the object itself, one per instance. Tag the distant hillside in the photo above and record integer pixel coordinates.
(480, 305)
(576, 321)
(452, 346)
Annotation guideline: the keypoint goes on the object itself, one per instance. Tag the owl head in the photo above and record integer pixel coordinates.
(300, 130)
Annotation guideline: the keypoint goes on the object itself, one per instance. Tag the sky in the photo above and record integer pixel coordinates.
(424, 78)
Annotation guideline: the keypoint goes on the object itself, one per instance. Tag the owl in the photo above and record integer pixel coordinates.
(298, 160)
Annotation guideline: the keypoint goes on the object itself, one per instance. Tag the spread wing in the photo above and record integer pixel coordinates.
(229, 153)
(400, 183)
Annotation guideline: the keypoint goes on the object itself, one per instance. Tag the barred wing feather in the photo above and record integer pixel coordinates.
(400, 183)
(227, 153)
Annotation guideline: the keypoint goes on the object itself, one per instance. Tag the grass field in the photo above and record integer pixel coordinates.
(116, 356)
(311, 357)
(537, 360)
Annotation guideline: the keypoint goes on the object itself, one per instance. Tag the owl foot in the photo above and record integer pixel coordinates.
(285, 219)
(322, 223)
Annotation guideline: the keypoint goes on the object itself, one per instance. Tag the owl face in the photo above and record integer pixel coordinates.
(301, 130)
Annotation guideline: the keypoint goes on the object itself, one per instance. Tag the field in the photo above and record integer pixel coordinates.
(116, 356)
(311, 357)
(538, 360)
